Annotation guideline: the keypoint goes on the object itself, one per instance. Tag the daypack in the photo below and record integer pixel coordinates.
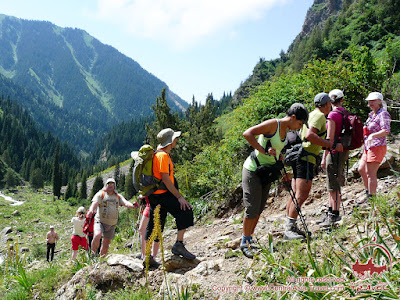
(351, 135)
(143, 180)
(88, 225)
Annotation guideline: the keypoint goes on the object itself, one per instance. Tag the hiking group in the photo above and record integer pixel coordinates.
(329, 127)
(294, 140)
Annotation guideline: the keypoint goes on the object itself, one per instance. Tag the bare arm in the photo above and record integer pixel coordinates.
(267, 127)
(92, 208)
(127, 203)
(312, 136)
(171, 187)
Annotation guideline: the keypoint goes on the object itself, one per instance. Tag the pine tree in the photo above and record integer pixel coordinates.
(36, 179)
(97, 185)
(10, 179)
(129, 189)
(57, 178)
(83, 189)
(117, 174)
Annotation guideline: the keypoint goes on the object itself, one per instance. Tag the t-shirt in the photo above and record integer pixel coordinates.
(78, 226)
(317, 120)
(162, 163)
(338, 119)
(107, 211)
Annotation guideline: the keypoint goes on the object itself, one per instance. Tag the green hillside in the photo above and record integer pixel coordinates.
(84, 78)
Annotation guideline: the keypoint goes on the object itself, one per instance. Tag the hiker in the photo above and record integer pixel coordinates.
(271, 139)
(333, 161)
(313, 139)
(168, 196)
(376, 128)
(78, 238)
(106, 203)
(90, 231)
(142, 231)
(51, 238)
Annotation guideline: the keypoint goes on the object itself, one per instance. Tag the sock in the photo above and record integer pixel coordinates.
(245, 239)
(329, 209)
(335, 212)
(366, 192)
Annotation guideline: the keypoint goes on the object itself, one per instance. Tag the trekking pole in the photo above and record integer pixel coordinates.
(337, 176)
(136, 229)
(295, 202)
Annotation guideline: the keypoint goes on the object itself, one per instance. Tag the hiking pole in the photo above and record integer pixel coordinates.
(136, 236)
(295, 202)
(337, 176)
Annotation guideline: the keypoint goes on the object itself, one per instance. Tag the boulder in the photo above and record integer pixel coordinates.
(6, 230)
(132, 263)
(16, 213)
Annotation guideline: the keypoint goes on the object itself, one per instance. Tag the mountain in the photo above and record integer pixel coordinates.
(80, 76)
(330, 29)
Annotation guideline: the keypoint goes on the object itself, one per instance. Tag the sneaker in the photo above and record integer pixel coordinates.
(364, 200)
(246, 251)
(322, 219)
(179, 249)
(330, 220)
(152, 262)
(292, 232)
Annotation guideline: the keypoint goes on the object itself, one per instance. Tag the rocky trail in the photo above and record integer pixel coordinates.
(220, 270)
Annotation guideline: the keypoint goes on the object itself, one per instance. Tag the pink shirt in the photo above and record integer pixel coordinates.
(338, 119)
(375, 123)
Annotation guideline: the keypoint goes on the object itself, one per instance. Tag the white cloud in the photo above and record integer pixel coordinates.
(180, 23)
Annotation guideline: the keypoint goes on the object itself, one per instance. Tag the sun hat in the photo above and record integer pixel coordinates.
(166, 136)
(111, 180)
(51, 226)
(321, 99)
(81, 210)
(336, 93)
(374, 96)
(300, 111)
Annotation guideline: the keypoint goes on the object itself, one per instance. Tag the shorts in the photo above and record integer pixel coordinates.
(255, 194)
(146, 211)
(301, 168)
(374, 154)
(77, 241)
(335, 172)
(169, 204)
(108, 231)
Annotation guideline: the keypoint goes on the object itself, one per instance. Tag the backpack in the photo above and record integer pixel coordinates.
(143, 180)
(351, 135)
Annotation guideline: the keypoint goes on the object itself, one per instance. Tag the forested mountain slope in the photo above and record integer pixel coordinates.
(84, 78)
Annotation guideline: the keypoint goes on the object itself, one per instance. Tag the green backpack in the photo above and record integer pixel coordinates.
(143, 180)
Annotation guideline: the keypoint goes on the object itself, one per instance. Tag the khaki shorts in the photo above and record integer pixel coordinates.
(335, 171)
(255, 194)
(108, 231)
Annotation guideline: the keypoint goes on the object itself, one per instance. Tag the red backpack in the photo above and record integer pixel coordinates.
(351, 135)
(88, 225)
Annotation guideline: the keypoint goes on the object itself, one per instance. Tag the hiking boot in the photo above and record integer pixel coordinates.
(179, 249)
(253, 244)
(292, 232)
(152, 262)
(246, 251)
(322, 219)
(330, 220)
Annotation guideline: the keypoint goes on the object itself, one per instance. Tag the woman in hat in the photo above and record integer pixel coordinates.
(78, 238)
(376, 128)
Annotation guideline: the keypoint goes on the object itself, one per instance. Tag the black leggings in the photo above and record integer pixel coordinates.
(50, 247)
(169, 204)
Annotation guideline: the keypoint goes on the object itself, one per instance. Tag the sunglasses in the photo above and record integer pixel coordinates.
(110, 183)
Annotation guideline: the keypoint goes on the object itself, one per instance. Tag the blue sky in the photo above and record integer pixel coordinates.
(195, 46)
